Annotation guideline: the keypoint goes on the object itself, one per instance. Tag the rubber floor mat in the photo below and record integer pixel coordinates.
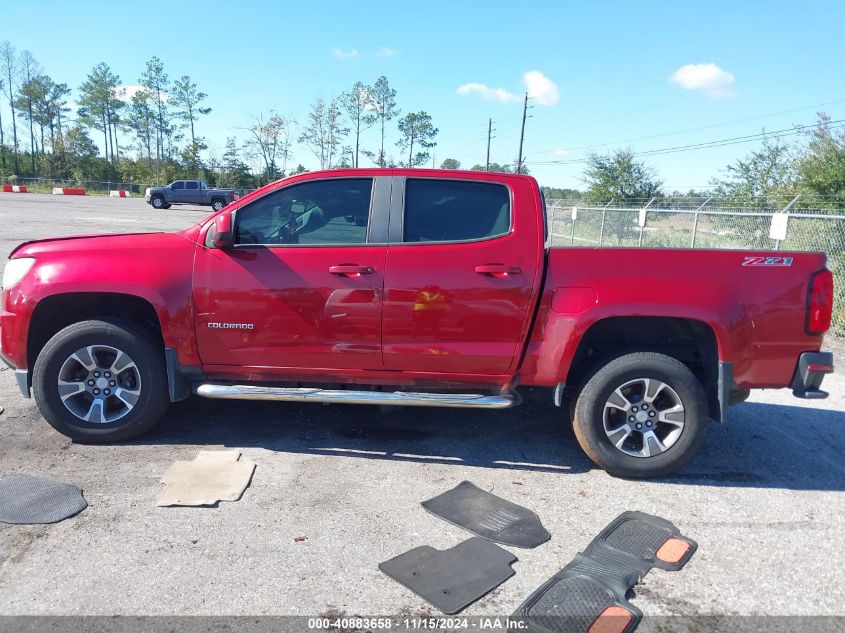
(29, 500)
(211, 477)
(452, 579)
(488, 516)
(642, 541)
(589, 595)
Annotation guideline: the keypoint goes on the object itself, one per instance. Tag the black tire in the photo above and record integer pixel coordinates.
(166, 206)
(588, 419)
(217, 204)
(148, 358)
(157, 201)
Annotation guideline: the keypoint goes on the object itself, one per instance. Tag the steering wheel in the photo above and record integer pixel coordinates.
(282, 235)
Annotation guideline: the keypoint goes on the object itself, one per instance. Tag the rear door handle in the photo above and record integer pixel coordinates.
(497, 270)
(351, 270)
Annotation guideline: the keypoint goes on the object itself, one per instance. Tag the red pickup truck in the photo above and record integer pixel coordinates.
(410, 287)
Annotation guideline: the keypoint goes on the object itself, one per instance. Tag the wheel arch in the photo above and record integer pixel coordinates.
(693, 342)
(54, 312)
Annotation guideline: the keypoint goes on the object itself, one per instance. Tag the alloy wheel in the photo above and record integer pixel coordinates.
(99, 384)
(643, 417)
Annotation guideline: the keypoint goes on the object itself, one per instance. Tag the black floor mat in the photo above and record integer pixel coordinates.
(640, 541)
(573, 600)
(454, 578)
(31, 500)
(593, 588)
(488, 516)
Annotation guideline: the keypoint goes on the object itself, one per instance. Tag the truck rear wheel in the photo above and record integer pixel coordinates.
(101, 381)
(217, 204)
(641, 415)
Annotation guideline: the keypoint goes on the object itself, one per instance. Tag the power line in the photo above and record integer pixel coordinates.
(703, 127)
(742, 139)
(708, 144)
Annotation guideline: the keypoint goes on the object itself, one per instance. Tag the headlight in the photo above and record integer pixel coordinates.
(16, 269)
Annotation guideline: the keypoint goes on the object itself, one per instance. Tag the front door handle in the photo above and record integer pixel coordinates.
(351, 270)
(497, 270)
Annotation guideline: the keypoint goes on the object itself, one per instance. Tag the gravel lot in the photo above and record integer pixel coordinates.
(765, 498)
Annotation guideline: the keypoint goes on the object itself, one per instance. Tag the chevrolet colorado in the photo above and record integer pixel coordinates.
(188, 192)
(410, 287)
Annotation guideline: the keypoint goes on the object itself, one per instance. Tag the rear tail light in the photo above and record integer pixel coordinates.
(231, 195)
(820, 303)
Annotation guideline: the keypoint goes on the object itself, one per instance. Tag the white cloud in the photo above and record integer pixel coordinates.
(561, 152)
(125, 93)
(709, 78)
(342, 54)
(540, 88)
(386, 51)
(489, 94)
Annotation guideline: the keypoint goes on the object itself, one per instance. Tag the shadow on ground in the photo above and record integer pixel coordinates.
(761, 445)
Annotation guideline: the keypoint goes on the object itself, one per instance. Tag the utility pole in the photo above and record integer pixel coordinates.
(522, 135)
(489, 136)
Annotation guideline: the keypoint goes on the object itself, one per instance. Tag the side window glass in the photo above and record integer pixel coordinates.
(454, 210)
(191, 184)
(331, 211)
(179, 184)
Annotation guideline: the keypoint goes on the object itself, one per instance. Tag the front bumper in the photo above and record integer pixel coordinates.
(9, 337)
(21, 376)
(811, 370)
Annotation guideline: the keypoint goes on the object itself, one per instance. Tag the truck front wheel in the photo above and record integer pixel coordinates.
(158, 202)
(101, 381)
(641, 415)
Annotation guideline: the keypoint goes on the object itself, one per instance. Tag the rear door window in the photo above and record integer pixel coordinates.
(455, 210)
(191, 184)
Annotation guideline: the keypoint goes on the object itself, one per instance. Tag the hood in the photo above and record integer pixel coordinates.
(103, 241)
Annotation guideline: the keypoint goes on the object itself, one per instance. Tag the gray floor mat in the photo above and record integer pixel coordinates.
(488, 516)
(28, 500)
(454, 578)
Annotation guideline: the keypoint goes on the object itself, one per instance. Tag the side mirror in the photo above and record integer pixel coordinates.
(222, 232)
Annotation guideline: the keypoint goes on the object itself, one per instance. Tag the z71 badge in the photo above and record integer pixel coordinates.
(767, 261)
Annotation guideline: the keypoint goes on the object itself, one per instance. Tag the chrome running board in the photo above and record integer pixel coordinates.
(339, 396)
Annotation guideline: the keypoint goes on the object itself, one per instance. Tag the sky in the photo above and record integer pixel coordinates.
(601, 75)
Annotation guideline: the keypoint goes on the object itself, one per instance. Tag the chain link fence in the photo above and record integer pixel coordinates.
(703, 226)
(93, 187)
